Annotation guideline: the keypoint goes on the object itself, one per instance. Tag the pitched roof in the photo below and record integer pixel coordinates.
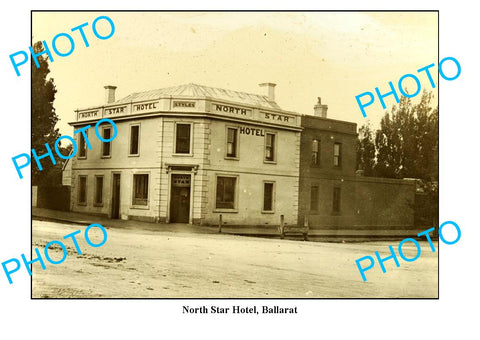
(195, 90)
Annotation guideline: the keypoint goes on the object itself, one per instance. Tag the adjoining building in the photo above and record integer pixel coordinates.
(188, 154)
(334, 196)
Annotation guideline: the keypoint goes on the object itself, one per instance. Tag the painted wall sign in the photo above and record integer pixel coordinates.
(252, 131)
(116, 110)
(231, 109)
(88, 114)
(183, 104)
(277, 117)
(181, 180)
(145, 107)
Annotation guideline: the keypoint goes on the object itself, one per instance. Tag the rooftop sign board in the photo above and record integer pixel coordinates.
(202, 106)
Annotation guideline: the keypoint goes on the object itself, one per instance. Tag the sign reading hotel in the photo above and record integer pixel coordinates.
(145, 107)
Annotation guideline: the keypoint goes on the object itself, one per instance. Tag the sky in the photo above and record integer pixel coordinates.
(332, 55)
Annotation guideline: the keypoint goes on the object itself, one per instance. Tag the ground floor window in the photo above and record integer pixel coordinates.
(336, 199)
(140, 189)
(268, 196)
(98, 190)
(314, 198)
(226, 192)
(82, 190)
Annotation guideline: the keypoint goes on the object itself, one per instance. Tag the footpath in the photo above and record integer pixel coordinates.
(270, 231)
(86, 219)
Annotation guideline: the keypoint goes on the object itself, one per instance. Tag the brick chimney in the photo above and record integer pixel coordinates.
(271, 90)
(109, 94)
(320, 110)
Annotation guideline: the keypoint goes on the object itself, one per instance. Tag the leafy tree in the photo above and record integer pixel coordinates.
(405, 146)
(407, 141)
(44, 119)
(366, 150)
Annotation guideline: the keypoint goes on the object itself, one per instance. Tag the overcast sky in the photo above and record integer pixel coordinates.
(335, 56)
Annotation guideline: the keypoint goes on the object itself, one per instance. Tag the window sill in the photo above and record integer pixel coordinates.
(82, 204)
(98, 204)
(105, 157)
(80, 158)
(269, 162)
(182, 154)
(268, 212)
(140, 207)
(134, 155)
(223, 210)
(232, 158)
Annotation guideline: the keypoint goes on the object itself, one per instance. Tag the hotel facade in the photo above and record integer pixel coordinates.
(188, 154)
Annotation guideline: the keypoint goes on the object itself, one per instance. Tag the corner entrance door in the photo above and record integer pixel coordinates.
(116, 196)
(180, 199)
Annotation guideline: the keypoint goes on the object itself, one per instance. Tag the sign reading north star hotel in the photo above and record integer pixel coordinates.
(119, 110)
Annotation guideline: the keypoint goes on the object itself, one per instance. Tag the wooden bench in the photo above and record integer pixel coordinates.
(293, 229)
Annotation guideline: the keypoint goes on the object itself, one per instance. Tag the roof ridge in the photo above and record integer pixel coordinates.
(241, 92)
(199, 90)
(197, 85)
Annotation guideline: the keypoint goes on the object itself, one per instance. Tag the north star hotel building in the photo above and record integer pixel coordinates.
(188, 154)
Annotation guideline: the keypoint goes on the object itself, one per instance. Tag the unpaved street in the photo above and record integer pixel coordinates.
(156, 264)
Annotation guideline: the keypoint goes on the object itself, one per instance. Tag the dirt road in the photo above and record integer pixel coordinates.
(150, 264)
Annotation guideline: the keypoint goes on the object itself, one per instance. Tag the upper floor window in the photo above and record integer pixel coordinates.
(134, 139)
(315, 152)
(232, 138)
(337, 157)
(107, 134)
(270, 147)
(82, 145)
(182, 138)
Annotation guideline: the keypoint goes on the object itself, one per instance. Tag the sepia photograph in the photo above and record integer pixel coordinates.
(234, 155)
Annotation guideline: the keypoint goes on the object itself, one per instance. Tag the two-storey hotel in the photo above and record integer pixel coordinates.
(187, 154)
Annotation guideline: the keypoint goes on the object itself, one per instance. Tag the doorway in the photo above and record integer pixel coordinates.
(180, 199)
(116, 196)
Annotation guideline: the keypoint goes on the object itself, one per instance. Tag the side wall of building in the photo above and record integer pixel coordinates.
(322, 175)
(252, 172)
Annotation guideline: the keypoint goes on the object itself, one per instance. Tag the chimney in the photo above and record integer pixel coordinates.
(320, 110)
(109, 94)
(271, 90)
